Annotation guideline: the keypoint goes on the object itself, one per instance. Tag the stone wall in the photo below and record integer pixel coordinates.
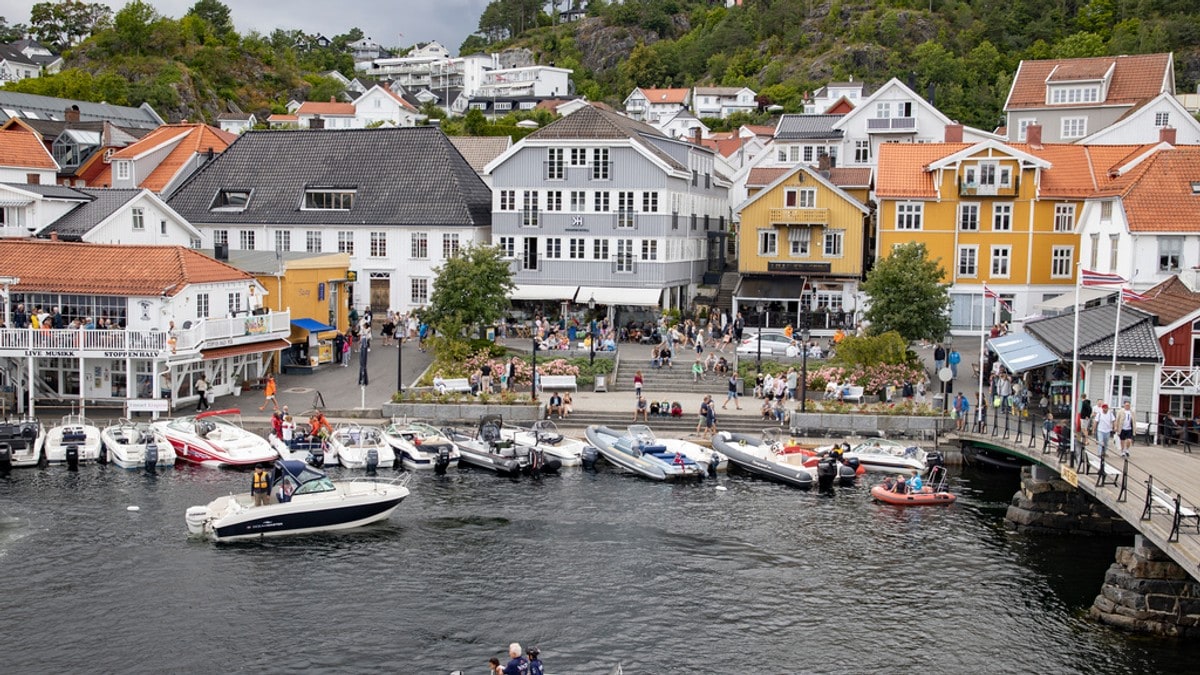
(1046, 504)
(1146, 592)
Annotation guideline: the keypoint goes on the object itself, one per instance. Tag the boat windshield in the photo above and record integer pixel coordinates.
(319, 484)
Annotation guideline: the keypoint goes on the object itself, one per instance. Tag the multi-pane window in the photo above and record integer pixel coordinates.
(625, 209)
(328, 200)
(968, 261)
(508, 200)
(529, 209)
(862, 152)
(624, 255)
(600, 168)
(234, 303)
(1170, 253)
(1064, 217)
(449, 245)
(1002, 217)
(578, 201)
(283, 240)
(420, 245)
(379, 244)
(1062, 258)
(346, 242)
(1095, 251)
(1001, 258)
(202, 305)
(420, 291)
(968, 217)
(507, 246)
(221, 237)
(1088, 94)
(649, 202)
(799, 198)
(555, 164)
(600, 201)
(649, 249)
(833, 243)
(578, 156)
(139, 218)
(1106, 211)
(554, 200)
(908, 215)
(1112, 251)
(600, 249)
(1162, 119)
(1074, 127)
(247, 239)
(798, 239)
(768, 241)
(312, 241)
(576, 248)
(554, 248)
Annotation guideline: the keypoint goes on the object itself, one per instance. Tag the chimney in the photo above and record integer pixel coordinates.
(1166, 135)
(53, 235)
(221, 251)
(696, 135)
(954, 133)
(72, 114)
(316, 122)
(1033, 135)
(824, 164)
(333, 99)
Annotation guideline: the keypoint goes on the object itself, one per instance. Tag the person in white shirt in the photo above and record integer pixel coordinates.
(1104, 427)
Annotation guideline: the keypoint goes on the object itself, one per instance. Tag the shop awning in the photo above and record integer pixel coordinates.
(1019, 352)
(542, 292)
(248, 348)
(313, 326)
(632, 297)
(782, 288)
(1066, 301)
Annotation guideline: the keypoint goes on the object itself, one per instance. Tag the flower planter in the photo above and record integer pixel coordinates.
(462, 413)
(867, 424)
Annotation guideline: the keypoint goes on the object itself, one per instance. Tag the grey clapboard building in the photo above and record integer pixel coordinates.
(599, 207)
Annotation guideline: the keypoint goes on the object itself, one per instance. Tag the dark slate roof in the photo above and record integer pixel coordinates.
(595, 123)
(55, 191)
(48, 107)
(83, 218)
(1137, 341)
(807, 127)
(111, 135)
(14, 55)
(401, 176)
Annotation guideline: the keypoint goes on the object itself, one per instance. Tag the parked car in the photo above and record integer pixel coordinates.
(772, 343)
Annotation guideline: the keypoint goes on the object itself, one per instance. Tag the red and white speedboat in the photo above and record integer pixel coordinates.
(216, 438)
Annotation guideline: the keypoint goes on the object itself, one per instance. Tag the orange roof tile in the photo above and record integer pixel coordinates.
(679, 96)
(190, 140)
(1135, 78)
(761, 129)
(283, 118)
(724, 146)
(109, 269)
(1161, 193)
(25, 150)
(901, 173)
(850, 177)
(764, 176)
(325, 108)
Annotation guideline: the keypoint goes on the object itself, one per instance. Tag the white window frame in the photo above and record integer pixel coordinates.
(1172, 247)
(378, 245)
(1064, 217)
(1062, 262)
(768, 242)
(139, 218)
(834, 243)
(968, 214)
(1073, 127)
(1162, 119)
(967, 263)
(1002, 214)
(283, 240)
(246, 239)
(1001, 261)
(346, 242)
(910, 216)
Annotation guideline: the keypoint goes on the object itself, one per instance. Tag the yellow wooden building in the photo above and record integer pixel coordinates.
(801, 243)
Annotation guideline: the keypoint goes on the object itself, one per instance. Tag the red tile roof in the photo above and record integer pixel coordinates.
(1170, 301)
(901, 173)
(850, 177)
(1134, 79)
(325, 108)
(24, 150)
(760, 129)
(724, 146)
(283, 118)
(190, 140)
(679, 96)
(764, 176)
(1162, 193)
(109, 269)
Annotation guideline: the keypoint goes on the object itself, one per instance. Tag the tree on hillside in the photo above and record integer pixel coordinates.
(11, 33)
(215, 13)
(907, 295)
(471, 288)
(67, 23)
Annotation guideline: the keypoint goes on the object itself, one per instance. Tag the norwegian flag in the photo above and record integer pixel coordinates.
(992, 295)
(1132, 296)
(1090, 278)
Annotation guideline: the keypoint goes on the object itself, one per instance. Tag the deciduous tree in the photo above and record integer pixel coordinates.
(471, 288)
(907, 295)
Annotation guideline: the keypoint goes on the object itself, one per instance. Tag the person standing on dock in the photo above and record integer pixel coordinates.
(1084, 424)
(1124, 427)
(517, 663)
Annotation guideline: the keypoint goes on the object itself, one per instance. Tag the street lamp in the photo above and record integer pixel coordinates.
(804, 370)
(761, 312)
(592, 330)
(533, 376)
(400, 358)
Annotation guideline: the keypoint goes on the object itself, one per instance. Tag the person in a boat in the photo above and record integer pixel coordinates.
(535, 663)
(915, 484)
(319, 426)
(901, 485)
(517, 664)
(260, 486)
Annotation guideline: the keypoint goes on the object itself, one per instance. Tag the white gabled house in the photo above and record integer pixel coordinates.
(122, 216)
(723, 101)
(653, 105)
(382, 105)
(1145, 123)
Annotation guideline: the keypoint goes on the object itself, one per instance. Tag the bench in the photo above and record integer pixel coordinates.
(1158, 499)
(458, 385)
(1102, 476)
(853, 394)
(558, 383)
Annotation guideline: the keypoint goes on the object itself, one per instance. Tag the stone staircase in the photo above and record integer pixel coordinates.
(661, 383)
(675, 427)
(729, 282)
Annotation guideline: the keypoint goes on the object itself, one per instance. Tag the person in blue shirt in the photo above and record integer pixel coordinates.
(517, 663)
(953, 359)
(535, 664)
(915, 483)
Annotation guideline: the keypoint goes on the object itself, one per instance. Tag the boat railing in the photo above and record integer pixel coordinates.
(400, 480)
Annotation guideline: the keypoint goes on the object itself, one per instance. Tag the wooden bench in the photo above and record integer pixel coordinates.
(1158, 499)
(853, 394)
(458, 385)
(1102, 476)
(558, 383)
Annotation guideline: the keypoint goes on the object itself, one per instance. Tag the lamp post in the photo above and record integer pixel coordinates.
(592, 330)
(804, 370)
(758, 359)
(533, 376)
(400, 359)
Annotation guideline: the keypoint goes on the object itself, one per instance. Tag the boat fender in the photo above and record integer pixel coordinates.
(442, 462)
(73, 457)
(151, 458)
(372, 461)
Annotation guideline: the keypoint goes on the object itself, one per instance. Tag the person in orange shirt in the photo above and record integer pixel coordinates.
(319, 425)
(269, 393)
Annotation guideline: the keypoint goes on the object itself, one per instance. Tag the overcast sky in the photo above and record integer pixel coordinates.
(390, 22)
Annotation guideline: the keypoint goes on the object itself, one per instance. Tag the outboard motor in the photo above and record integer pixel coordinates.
(827, 471)
(535, 463)
(853, 463)
(5, 459)
(73, 457)
(589, 457)
(442, 462)
(316, 457)
(372, 461)
(713, 461)
(102, 457)
(934, 458)
(150, 461)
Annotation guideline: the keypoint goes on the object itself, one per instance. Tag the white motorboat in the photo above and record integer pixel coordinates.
(638, 451)
(73, 440)
(132, 444)
(21, 443)
(706, 458)
(303, 500)
(216, 438)
(546, 436)
(422, 446)
(881, 454)
(359, 447)
(487, 450)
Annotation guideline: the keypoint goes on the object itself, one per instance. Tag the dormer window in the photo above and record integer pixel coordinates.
(123, 171)
(1075, 94)
(233, 200)
(328, 199)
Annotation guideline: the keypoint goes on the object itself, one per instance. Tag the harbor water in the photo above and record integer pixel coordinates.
(596, 569)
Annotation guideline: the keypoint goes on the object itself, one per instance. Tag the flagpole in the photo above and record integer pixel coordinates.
(982, 351)
(1112, 376)
(1075, 367)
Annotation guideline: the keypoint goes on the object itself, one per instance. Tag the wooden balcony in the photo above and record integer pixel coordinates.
(895, 125)
(1179, 380)
(799, 216)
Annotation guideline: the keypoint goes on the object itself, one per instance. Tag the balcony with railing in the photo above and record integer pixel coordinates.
(799, 216)
(1180, 380)
(895, 125)
(977, 189)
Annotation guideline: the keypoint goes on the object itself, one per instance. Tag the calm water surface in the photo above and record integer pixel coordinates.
(595, 568)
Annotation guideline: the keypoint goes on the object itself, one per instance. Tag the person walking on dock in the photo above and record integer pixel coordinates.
(269, 394)
(1104, 427)
(1124, 427)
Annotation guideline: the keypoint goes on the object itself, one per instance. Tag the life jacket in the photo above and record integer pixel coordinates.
(260, 480)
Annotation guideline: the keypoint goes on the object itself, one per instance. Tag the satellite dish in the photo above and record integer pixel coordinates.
(945, 374)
